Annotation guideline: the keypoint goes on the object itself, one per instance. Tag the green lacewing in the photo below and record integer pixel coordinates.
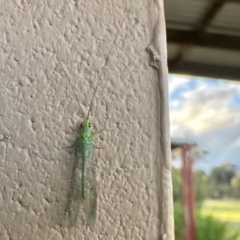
(83, 188)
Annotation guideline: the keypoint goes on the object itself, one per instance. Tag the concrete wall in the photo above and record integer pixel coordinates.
(38, 110)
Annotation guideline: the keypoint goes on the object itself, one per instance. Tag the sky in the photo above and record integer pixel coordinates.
(207, 112)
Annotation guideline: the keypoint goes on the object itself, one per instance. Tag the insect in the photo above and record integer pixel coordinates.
(83, 183)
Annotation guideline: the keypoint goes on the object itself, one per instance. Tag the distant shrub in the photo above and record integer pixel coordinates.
(178, 221)
(207, 227)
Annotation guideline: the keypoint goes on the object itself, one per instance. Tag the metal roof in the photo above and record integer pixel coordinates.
(204, 37)
(180, 142)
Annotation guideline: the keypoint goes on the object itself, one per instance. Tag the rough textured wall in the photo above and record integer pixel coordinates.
(38, 110)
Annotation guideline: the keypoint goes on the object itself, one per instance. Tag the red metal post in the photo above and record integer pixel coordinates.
(188, 192)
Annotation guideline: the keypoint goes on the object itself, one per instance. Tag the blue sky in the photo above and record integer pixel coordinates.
(207, 112)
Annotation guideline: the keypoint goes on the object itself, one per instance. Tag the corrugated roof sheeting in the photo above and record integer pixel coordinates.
(224, 31)
(203, 37)
(227, 21)
(183, 13)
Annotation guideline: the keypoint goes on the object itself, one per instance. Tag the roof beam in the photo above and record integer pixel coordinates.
(229, 1)
(205, 70)
(213, 8)
(191, 38)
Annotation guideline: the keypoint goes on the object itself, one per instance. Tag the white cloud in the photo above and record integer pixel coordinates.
(202, 110)
(175, 82)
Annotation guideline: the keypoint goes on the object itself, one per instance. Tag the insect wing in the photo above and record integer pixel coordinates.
(90, 202)
(76, 187)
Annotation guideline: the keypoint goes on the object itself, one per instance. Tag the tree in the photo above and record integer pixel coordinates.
(235, 183)
(222, 174)
(220, 180)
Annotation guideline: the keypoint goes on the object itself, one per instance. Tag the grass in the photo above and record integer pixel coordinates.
(224, 210)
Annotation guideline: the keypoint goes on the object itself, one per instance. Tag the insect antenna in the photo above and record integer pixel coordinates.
(100, 76)
(65, 72)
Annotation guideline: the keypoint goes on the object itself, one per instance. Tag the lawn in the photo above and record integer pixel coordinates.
(224, 210)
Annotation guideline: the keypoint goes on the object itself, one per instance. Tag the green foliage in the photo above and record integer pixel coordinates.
(222, 174)
(235, 181)
(220, 182)
(177, 184)
(201, 187)
(235, 184)
(209, 228)
(178, 221)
